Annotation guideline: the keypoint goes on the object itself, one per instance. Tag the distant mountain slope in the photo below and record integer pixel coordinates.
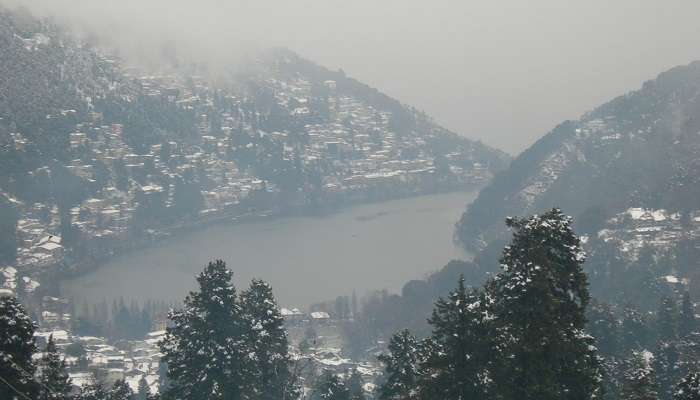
(93, 149)
(49, 82)
(45, 75)
(639, 150)
(405, 120)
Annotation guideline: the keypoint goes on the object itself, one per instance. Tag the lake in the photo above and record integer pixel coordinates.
(305, 259)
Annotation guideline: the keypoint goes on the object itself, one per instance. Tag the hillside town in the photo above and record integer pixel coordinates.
(232, 170)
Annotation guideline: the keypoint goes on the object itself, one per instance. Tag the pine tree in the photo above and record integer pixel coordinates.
(687, 323)
(639, 379)
(205, 348)
(55, 382)
(120, 391)
(354, 385)
(688, 388)
(460, 331)
(144, 391)
(330, 387)
(268, 340)
(93, 391)
(538, 305)
(401, 374)
(16, 348)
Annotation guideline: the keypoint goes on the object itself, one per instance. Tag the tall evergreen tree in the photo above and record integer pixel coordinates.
(16, 348)
(459, 369)
(539, 300)
(55, 382)
(205, 348)
(330, 387)
(120, 391)
(688, 322)
(688, 388)
(93, 391)
(268, 340)
(401, 373)
(639, 379)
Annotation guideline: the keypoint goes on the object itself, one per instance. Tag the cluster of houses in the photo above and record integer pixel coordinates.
(354, 143)
(90, 358)
(638, 227)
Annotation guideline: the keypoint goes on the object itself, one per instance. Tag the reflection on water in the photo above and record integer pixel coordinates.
(363, 248)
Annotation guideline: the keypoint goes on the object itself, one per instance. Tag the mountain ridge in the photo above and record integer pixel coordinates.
(626, 153)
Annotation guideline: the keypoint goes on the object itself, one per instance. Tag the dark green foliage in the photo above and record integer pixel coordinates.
(384, 314)
(459, 363)
(204, 348)
(539, 300)
(130, 322)
(16, 348)
(330, 387)
(639, 379)
(93, 391)
(401, 364)
(122, 322)
(271, 366)
(55, 382)
(521, 337)
(120, 391)
(220, 346)
(688, 388)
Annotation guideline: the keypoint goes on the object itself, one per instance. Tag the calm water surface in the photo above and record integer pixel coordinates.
(367, 247)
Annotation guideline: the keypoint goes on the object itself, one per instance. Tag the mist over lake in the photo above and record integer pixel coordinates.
(306, 259)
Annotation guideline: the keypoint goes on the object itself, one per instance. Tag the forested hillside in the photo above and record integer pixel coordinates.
(638, 150)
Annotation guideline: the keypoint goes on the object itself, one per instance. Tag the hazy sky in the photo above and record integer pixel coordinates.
(501, 71)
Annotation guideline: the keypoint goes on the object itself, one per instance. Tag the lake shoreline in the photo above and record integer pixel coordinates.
(252, 219)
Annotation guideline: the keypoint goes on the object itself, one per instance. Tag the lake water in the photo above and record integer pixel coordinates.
(306, 259)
